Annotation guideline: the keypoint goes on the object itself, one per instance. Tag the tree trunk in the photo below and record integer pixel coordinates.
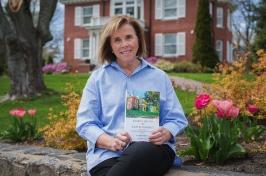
(24, 45)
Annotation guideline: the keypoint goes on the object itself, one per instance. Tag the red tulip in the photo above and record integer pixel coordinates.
(32, 112)
(253, 109)
(202, 100)
(19, 112)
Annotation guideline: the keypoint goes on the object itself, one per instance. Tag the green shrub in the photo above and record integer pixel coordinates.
(186, 66)
(164, 65)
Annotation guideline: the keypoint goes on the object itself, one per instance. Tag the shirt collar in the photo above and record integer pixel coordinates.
(143, 64)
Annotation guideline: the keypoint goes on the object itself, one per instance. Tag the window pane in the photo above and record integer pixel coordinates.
(169, 3)
(169, 12)
(86, 20)
(118, 10)
(129, 2)
(85, 53)
(118, 3)
(87, 11)
(170, 49)
(138, 15)
(170, 39)
(130, 11)
(86, 43)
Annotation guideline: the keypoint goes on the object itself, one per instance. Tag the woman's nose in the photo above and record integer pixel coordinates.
(124, 43)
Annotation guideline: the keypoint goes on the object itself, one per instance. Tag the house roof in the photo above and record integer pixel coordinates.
(77, 1)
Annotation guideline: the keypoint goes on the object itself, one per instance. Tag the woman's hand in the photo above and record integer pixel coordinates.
(120, 141)
(160, 136)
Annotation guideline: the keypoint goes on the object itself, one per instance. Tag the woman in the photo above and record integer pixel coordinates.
(100, 118)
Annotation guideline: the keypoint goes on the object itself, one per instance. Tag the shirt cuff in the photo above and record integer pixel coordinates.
(173, 129)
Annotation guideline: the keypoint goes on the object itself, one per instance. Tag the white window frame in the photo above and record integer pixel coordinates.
(160, 10)
(79, 14)
(78, 48)
(180, 44)
(219, 49)
(164, 8)
(211, 8)
(219, 17)
(137, 4)
(84, 16)
(169, 44)
(229, 20)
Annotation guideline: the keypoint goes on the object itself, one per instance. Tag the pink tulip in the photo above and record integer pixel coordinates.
(253, 109)
(225, 109)
(32, 112)
(233, 112)
(202, 100)
(19, 112)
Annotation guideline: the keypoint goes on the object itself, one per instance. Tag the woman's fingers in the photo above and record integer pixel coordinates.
(160, 136)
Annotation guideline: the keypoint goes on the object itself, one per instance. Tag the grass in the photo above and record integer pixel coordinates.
(202, 77)
(57, 83)
(43, 103)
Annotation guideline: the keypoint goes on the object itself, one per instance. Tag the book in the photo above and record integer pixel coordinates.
(142, 110)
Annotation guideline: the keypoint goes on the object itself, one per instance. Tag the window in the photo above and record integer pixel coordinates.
(170, 44)
(170, 9)
(229, 50)
(210, 8)
(87, 15)
(220, 17)
(219, 49)
(84, 14)
(82, 48)
(127, 7)
(85, 48)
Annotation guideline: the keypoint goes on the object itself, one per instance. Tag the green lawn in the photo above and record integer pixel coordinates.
(57, 83)
(43, 103)
(202, 77)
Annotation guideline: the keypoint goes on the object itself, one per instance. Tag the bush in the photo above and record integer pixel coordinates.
(56, 68)
(232, 83)
(2, 66)
(187, 67)
(151, 59)
(61, 133)
(164, 65)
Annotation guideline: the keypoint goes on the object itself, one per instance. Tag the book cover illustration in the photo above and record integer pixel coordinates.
(142, 113)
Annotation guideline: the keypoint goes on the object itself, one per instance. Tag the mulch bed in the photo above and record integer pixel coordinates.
(253, 163)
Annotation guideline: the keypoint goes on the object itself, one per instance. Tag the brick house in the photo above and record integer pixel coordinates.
(169, 27)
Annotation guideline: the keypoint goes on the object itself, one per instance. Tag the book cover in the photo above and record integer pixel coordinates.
(142, 113)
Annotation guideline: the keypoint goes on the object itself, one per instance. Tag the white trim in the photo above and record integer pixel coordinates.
(219, 43)
(96, 10)
(158, 44)
(181, 44)
(158, 9)
(77, 48)
(78, 16)
(229, 22)
(219, 16)
(181, 8)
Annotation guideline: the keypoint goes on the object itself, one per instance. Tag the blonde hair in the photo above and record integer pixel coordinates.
(105, 49)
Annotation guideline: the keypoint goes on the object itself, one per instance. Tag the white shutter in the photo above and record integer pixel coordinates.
(78, 16)
(77, 48)
(158, 9)
(210, 8)
(228, 51)
(96, 10)
(158, 44)
(181, 44)
(181, 8)
(229, 20)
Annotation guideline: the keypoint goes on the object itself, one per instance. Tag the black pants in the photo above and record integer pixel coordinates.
(139, 159)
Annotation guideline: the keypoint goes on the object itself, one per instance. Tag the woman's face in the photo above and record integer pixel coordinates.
(124, 43)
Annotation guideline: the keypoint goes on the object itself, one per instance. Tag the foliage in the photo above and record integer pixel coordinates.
(260, 38)
(66, 137)
(164, 65)
(232, 83)
(21, 130)
(2, 66)
(203, 49)
(218, 137)
(187, 67)
(56, 68)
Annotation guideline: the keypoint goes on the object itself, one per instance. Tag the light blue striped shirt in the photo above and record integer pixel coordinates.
(102, 106)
